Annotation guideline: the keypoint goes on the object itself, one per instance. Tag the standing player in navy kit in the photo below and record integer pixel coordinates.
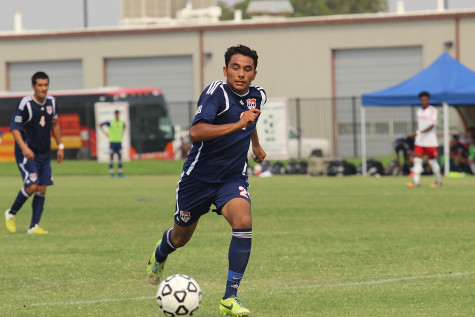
(32, 122)
(216, 170)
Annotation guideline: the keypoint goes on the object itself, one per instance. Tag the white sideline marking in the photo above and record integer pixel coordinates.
(371, 282)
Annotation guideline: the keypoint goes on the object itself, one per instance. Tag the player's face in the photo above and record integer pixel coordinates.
(41, 88)
(424, 101)
(240, 72)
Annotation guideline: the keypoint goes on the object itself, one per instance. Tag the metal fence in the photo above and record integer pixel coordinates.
(333, 124)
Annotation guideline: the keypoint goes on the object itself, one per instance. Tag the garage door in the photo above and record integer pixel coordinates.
(172, 74)
(364, 70)
(64, 75)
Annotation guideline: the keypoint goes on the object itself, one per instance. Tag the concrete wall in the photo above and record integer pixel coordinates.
(295, 56)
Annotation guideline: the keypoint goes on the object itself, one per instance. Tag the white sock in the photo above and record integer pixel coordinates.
(435, 169)
(417, 170)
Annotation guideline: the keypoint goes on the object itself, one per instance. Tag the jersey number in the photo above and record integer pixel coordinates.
(42, 121)
(243, 192)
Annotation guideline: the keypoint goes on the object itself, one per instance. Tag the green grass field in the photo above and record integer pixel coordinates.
(321, 247)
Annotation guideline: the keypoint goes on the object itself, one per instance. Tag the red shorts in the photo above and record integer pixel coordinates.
(430, 151)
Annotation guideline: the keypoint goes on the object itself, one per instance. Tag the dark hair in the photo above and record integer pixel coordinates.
(116, 112)
(240, 49)
(38, 75)
(424, 94)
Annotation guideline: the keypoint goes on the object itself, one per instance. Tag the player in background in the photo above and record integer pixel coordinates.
(115, 134)
(33, 120)
(426, 141)
(216, 170)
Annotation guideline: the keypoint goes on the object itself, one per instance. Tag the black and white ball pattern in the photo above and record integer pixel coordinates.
(179, 295)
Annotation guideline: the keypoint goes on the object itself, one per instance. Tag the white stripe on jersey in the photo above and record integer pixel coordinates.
(30, 112)
(192, 166)
(53, 102)
(227, 102)
(177, 189)
(213, 87)
(244, 169)
(22, 166)
(264, 98)
(23, 102)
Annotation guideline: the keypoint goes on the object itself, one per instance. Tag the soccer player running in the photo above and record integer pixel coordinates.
(426, 141)
(216, 170)
(115, 135)
(33, 120)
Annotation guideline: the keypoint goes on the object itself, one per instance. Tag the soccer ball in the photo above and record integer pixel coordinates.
(179, 295)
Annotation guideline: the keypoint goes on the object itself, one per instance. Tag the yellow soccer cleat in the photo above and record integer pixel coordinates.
(154, 268)
(10, 221)
(37, 230)
(232, 307)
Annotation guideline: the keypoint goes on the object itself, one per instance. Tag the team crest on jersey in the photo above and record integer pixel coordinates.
(33, 177)
(185, 215)
(49, 110)
(251, 103)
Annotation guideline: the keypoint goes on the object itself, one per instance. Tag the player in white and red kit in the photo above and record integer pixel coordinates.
(426, 141)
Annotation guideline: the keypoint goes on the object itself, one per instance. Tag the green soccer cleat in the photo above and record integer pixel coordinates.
(155, 269)
(232, 307)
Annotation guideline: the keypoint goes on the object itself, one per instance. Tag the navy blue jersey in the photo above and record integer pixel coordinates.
(35, 120)
(219, 159)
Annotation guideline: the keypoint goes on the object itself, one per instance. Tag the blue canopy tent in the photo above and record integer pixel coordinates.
(447, 81)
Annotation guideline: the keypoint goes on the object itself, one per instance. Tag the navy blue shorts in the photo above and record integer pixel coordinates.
(115, 148)
(37, 171)
(194, 197)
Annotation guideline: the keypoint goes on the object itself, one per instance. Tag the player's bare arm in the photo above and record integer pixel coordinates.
(259, 154)
(27, 152)
(203, 131)
(57, 136)
(423, 131)
(101, 127)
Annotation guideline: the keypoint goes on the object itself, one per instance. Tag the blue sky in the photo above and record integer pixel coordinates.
(68, 14)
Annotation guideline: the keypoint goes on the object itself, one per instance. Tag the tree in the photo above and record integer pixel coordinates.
(228, 13)
(303, 8)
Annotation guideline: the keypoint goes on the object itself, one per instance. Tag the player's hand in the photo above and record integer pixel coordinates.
(60, 156)
(413, 136)
(248, 118)
(259, 154)
(28, 153)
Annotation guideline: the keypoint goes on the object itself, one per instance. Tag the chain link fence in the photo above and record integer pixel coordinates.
(332, 125)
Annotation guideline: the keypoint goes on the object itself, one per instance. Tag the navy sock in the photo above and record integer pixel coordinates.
(111, 167)
(165, 248)
(19, 201)
(119, 165)
(38, 203)
(239, 252)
